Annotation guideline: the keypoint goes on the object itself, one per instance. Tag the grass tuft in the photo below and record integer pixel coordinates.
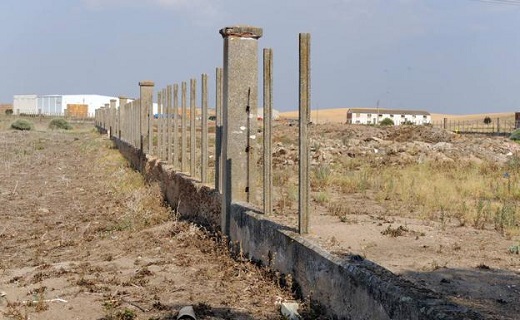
(22, 124)
(60, 124)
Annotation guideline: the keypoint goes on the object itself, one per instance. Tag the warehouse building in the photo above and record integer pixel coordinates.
(59, 105)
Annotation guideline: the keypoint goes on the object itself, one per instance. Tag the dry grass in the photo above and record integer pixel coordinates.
(482, 195)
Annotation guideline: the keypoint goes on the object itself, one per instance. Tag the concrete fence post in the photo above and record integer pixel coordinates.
(138, 135)
(162, 125)
(193, 130)
(133, 124)
(304, 157)
(175, 126)
(107, 118)
(130, 123)
(113, 124)
(240, 83)
(218, 130)
(204, 129)
(122, 120)
(102, 115)
(159, 128)
(169, 124)
(267, 150)
(184, 138)
(146, 107)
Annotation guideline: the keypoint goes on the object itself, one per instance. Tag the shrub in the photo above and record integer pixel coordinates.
(487, 120)
(9, 112)
(386, 122)
(22, 124)
(59, 124)
(515, 135)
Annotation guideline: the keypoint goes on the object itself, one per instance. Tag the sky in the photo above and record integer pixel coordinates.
(443, 56)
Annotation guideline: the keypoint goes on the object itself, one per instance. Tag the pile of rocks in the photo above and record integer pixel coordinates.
(395, 146)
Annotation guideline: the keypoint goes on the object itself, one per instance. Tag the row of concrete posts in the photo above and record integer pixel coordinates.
(165, 134)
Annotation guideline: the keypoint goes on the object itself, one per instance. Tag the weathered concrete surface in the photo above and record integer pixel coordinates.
(348, 287)
(240, 99)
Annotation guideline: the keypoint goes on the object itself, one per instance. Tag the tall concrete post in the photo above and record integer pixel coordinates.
(162, 153)
(169, 125)
(268, 106)
(193, 131)
(240, 98)
(122, 105)
(218, 130)
(304, 156)
(146, 112)
(184, 139)
(136, 128)
(107, 117)
(113, 125)
(176, 126)
(108, 124)
(159, 111)
(204, 129)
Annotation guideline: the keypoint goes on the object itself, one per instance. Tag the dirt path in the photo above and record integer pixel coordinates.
(83, 238)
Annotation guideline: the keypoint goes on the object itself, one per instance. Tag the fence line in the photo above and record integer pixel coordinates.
(165, 134)
(495, 126)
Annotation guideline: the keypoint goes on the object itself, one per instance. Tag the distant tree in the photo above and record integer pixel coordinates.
(487, 120)
(386, 122)
(9, 112)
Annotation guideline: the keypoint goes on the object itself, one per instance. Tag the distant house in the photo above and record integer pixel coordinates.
(375, 115)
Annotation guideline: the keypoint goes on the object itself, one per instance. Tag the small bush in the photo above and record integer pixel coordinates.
(386, 122)
(9, 112)
(22, 124)
(515, 135)
(59, 124)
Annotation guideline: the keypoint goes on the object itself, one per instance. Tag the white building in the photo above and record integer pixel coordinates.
(57, 104)
(376, 115)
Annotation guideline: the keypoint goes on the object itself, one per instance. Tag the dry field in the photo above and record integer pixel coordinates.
(83, 237)
(439, 209)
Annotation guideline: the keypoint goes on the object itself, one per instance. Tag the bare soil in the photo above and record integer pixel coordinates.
(469, 266)
(82, 237)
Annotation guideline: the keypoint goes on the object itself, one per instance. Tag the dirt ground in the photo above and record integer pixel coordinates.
(472, 267)
(82, 237)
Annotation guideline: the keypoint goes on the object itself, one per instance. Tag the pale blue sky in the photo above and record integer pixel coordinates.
(445, 56)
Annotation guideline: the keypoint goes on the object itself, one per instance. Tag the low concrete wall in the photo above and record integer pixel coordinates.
(347, 288)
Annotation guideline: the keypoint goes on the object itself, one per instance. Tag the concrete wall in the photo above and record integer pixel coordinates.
(347, 287)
